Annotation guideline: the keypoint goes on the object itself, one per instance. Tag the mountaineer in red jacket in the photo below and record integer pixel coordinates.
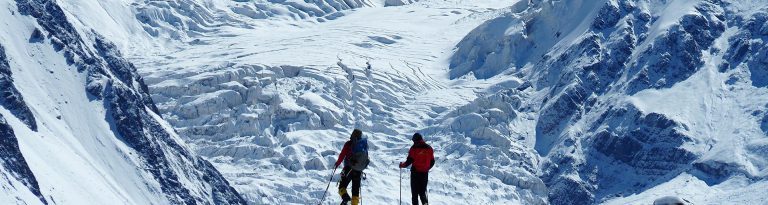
(421, 157)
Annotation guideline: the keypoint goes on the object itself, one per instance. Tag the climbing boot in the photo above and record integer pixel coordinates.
(344, 196)
(355, 200)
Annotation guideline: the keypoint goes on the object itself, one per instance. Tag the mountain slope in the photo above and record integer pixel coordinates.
(550, 101)
(272, 105)
(530, 102)
(13, 162)
(83, 123)
(632, 94)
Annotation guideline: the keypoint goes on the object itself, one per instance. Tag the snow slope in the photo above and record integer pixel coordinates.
(266, 117)
(565, 111)
(78, 125)
(525, 102)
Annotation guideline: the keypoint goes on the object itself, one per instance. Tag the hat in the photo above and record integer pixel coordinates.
(356, 134)
(417, 137)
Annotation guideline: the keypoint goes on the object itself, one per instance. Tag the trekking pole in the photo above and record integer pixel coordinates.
(401, 187)
(361, 192)
(327, 186)
(362, 174)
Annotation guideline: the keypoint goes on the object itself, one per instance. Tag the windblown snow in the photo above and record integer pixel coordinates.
(525, 102)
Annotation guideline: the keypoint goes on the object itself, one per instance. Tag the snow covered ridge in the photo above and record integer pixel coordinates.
(630, 94)
(86, 127)
(13, 161)
(181, 19)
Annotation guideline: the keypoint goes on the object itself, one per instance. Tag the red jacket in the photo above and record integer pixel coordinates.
(421, 156)
(346, 152)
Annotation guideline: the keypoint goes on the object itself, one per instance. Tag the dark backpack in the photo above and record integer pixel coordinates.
(359, 159)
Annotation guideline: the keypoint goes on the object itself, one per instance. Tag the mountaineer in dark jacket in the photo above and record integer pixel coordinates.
(421, 159)
(348, 174)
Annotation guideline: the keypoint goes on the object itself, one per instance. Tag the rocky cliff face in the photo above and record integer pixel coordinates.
(13, 162)
(597, 74)
(122, 135)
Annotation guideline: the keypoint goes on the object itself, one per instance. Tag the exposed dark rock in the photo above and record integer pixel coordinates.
(676, 55)
(750, 47)
(570, 191)
(554, 118)
(650, 143)
(13, 161)
(607, 17)
(37, 36)
(114, 80)
(10, 98)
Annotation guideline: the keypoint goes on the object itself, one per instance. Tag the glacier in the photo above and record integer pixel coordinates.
(525, 102)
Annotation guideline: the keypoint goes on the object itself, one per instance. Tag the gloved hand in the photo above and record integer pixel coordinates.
(402, 165)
